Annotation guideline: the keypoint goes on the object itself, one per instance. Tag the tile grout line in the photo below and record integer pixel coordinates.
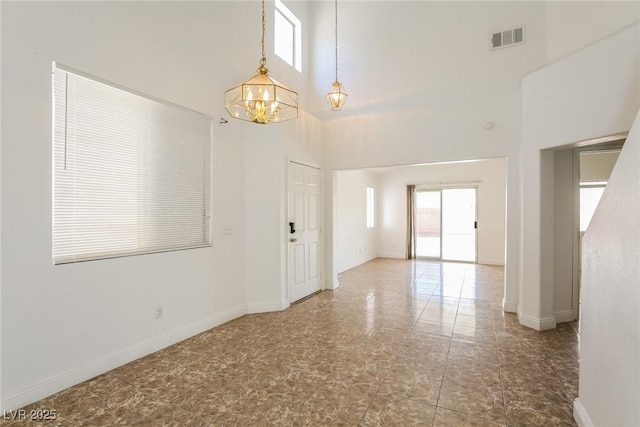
(390, 368)
(504, 399)
(435, 413)
(555, 370)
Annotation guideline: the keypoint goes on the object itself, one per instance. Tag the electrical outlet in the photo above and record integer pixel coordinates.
(227, 229)
(159, 313)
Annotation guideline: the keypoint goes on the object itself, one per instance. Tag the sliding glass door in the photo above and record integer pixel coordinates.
(445, 223)
(428, 223)
(459, 224)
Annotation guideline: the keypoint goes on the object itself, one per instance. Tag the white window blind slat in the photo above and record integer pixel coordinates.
(131, 174)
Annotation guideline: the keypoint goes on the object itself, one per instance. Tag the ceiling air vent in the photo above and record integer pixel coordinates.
(507, 38)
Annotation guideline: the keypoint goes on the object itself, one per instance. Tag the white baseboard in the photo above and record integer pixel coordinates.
(404, 256)
(539, 324)
(332, 284)
(491, 261)
(580, 414)
(58, 383)
(564, 316)
(266, 307)
(396, 256)
(509, 306)
(355, 263)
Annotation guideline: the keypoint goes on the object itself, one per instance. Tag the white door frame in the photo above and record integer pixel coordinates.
(285, 236)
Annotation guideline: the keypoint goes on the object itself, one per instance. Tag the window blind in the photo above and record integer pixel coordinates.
(131, 174)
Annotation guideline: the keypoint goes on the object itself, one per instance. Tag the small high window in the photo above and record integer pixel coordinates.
(288, 36)
(371, 204)
(590, 194)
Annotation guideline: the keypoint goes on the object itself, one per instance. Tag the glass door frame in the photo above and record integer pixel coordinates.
(440, 188)
(418, 190)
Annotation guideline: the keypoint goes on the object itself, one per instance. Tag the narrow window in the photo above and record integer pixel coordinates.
(131, 174)
(288, 36)
(590, 194)
(371, 205)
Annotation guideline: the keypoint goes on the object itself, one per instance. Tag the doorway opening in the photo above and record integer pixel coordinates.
(573, 178)
(446, 223)
(595, 164)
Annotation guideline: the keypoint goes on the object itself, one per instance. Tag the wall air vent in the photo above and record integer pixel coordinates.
(507, 38)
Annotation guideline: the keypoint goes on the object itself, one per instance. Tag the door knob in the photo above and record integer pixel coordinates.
(293, 240)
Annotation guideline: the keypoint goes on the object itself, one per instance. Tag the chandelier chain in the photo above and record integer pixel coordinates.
(264, 28)
(336, 9)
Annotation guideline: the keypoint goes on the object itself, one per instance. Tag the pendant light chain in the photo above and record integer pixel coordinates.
(336, 9)
(263, 61)
(337, 95)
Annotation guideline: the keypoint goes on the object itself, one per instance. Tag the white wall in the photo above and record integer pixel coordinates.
(413, 99)
(610, 325)
(262, 220)
(490, 176)
(266, 163)
(423, 92)
(597, 165)
(356, 244)
(573, 25)
(269, 150)
(64, 324)
(576, 99)
(569, 26)
(429, 110)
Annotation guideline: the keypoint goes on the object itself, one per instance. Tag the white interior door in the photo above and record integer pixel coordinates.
(304, 231)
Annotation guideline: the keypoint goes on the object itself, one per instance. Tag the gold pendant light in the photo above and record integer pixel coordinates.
(262, 99)
(337, 95)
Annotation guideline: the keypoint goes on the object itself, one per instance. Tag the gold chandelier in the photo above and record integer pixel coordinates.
(262, 99)
(337, 95)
